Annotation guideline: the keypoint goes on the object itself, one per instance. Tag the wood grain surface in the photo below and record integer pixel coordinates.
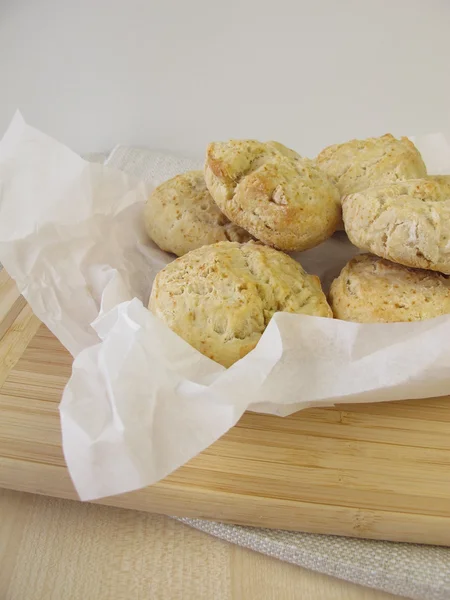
(54, 549)
(376, 470)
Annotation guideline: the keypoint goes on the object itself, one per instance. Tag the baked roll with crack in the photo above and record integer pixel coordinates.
(373, 290)
(220, 298)
(407, 223)
(282, 199)
(180, 216)
(360, 164)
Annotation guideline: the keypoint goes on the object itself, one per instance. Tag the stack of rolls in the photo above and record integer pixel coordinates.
(392, 209)
(232, 225)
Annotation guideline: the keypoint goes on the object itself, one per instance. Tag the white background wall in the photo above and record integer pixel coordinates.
(176, 74)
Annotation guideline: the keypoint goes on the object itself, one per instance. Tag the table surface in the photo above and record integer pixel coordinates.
(64, 549)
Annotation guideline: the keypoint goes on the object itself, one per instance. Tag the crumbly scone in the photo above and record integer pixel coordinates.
(407, 222)
(180, 216)
(441, 179)
(269, 190)
(373, 290)
(220, 298)
(360, 164)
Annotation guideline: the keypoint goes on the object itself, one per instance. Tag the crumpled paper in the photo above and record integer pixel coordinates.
(141, 402)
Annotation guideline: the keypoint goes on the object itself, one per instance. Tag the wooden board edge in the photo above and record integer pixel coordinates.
(164, 498)
(11, 302)
(16, 339)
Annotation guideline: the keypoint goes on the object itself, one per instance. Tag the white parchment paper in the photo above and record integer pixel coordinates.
(141, 402)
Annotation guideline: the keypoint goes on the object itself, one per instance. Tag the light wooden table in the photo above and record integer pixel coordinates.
(54, 549)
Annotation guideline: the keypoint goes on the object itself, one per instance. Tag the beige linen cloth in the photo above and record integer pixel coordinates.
(409, 570)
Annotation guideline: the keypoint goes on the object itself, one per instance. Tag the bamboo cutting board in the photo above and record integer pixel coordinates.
(378, 471)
